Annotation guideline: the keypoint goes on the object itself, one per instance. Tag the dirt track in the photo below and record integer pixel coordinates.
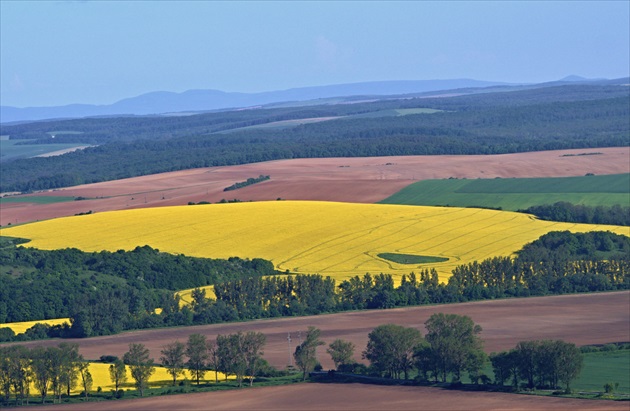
(361, 180)
(348, 397)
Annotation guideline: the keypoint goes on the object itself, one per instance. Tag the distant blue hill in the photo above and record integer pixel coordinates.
(160, 102)
(164, 102)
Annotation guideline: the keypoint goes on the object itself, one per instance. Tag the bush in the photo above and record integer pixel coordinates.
(108, 358)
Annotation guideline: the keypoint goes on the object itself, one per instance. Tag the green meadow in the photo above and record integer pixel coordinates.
(605, 367)
(517, 193)
(36, 199)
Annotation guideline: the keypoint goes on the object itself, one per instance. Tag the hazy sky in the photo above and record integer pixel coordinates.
(98, 52)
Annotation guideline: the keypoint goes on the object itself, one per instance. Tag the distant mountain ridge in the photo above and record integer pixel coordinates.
(164, 102)
(160, 102)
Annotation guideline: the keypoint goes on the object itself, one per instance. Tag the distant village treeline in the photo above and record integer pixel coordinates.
(105, 293)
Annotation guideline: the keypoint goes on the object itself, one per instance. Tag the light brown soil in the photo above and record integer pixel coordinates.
(361, 180)
(348, 397)
(582, 319)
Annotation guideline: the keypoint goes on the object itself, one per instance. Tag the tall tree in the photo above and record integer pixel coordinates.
(306, 353)
(197, 353)
(86, 378)
(173, 358)
(253, 343)
(214, 359)
(69, 367)
(341, 352)
(41, 368)
(455, 344)
(140, 364)
(390, 349)
(571, 362)
(118, 373)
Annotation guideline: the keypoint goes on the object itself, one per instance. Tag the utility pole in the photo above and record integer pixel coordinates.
(290, 356)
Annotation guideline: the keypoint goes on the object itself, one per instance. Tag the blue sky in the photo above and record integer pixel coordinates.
(98, 52)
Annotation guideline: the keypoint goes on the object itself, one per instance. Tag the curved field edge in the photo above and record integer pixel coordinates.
(340, 240)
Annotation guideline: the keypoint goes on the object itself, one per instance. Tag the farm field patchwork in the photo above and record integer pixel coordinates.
(605, 367)
(355, 180)
(517, 193)
(336, 239)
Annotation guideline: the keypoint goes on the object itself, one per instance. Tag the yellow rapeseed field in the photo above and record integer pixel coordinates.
(336, 239)
(21, 327)
(160, 378)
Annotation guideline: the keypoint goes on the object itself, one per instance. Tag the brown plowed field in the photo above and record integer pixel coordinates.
(582, 319)
(360, 180)
(347, 397)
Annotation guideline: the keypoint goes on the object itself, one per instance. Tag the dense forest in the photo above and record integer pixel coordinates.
(557, 263)
(578, 213)
(577, 116)
(38, 284)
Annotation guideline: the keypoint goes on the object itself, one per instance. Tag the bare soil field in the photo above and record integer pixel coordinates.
(309, 396)
(582, 319)
(361, 180)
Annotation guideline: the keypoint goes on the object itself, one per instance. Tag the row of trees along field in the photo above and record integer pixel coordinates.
(557, 263)
(492, 123)
(451, 347)
(578, 213)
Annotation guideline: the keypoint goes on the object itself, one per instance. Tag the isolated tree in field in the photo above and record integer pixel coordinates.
(390, 349)
(118, 373)
(341, 352)
(305, 354)
(173, 358)
(197, 353)
(140, 364)
(455, 344)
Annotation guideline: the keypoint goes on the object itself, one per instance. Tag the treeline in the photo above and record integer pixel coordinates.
(451, 347)
(468, 126)
(247, 182)
(576, 213)
(56, 370)
(557, 263)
